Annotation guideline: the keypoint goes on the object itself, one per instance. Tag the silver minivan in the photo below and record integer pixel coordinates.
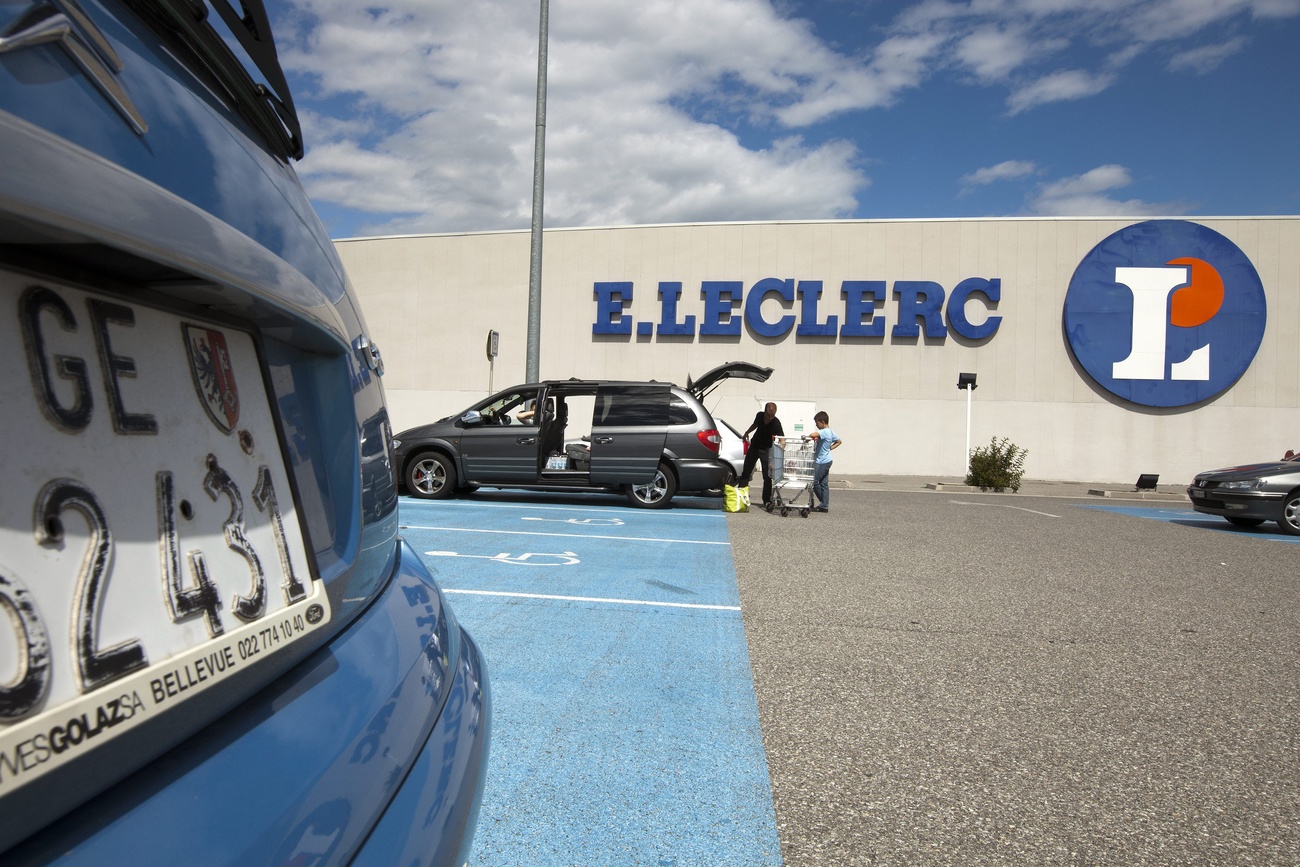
(648, 439)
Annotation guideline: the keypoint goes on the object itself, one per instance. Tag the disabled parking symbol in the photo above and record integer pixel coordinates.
(532, 558)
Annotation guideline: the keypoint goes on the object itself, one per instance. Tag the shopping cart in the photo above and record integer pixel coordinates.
(792, 470)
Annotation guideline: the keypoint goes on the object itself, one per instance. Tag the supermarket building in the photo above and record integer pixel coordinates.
(1105, 347)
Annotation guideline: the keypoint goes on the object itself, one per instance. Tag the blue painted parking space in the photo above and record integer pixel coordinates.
(625, 726)
(1188, 518)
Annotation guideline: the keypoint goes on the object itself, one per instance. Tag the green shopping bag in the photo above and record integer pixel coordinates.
(735, 499)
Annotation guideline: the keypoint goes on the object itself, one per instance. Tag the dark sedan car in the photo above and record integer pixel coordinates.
(648, 439)
(1249, 495)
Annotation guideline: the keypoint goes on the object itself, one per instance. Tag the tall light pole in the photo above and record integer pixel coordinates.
(539, 161)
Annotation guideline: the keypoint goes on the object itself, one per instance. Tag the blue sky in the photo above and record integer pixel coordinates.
(419, 114)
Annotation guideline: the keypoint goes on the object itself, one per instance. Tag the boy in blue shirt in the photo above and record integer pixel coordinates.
(827, 442)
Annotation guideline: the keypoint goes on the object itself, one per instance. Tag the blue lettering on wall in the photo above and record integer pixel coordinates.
(611, 300)
(754, 303)
(668, 324)
(810, 292)
(957, 321)
(727, 305)
(721, 298)
(919, 300)
(862, 298)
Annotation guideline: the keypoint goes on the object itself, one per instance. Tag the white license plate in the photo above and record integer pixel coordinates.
(1196, 492)
(149, 544)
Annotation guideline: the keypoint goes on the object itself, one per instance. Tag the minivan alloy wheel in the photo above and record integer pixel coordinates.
(430, 476)
(657, 493)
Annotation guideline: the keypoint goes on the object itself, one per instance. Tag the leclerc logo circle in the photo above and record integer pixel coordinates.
(1165, 313)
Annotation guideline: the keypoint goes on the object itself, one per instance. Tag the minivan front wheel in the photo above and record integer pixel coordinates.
(658, 493)
(431, 476)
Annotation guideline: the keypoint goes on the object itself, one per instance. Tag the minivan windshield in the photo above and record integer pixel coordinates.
(511, 407)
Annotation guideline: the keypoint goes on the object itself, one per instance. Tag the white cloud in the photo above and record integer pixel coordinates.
(456, 86)
(1057, 86)
(1207, 58)
(1027, 42)
(1157, 20)
(1091, 195)
(992, 53)
(421, 112)
(1004, 171)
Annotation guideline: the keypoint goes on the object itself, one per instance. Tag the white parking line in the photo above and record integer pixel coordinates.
(1005, 506)
(592, 599)
(624, 510)
(562, 535)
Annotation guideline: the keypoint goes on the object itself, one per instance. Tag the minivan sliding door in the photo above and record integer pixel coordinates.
(628, 429)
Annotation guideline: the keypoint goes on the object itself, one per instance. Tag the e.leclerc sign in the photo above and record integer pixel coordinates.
(1165, 313)
(860, 313)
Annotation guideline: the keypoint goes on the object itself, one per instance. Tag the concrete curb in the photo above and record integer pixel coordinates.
(1137, 495)
(1092, 492)
(1028, 488)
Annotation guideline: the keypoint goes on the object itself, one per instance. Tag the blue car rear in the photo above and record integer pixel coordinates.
(217, 649)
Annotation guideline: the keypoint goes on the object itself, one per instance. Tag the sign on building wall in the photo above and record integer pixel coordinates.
(862, 310)
(1161, 313)
(1165, 313)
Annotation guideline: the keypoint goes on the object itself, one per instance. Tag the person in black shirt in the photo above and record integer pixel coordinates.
(766, 426)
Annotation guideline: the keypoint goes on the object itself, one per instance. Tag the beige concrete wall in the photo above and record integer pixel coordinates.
(431, 300)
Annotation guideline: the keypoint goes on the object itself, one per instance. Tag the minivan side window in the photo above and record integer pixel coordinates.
(631, 406)
(680, 412)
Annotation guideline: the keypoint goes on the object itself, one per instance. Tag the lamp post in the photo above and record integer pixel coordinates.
(533, 355)
(966, 382)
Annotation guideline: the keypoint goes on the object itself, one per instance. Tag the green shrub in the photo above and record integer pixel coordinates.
(999, 466)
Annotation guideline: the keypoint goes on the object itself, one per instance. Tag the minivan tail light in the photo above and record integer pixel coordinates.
(710, 439)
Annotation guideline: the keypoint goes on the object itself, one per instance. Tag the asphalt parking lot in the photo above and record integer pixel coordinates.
(957, 678)
(941, 677)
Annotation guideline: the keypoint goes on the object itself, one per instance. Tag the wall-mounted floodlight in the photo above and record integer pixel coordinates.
(1146, 482)
(966, 382)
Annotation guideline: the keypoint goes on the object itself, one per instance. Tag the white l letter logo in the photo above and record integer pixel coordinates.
(1151, 288)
